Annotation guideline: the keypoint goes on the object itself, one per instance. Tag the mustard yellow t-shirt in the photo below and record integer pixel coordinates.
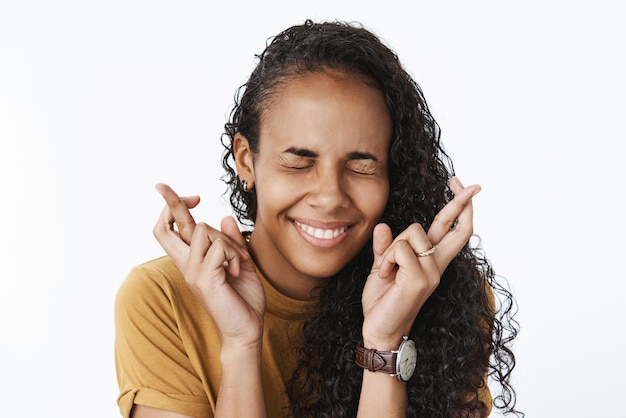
(167, 352)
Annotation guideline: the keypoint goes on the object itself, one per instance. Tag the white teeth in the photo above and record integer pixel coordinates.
(321, 233)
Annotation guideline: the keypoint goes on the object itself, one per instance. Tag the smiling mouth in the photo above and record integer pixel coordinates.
(321, 233)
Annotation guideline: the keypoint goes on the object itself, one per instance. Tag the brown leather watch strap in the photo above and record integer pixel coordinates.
(376, 361)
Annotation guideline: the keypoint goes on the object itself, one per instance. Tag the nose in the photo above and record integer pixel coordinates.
(329, 190)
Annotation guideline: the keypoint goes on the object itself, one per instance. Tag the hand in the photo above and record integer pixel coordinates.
(217, 267)
(401, 281)
(176, 213)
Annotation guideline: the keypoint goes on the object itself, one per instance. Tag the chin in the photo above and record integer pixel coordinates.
(321, 269)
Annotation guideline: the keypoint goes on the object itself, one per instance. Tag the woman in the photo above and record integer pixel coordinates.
(357, 266)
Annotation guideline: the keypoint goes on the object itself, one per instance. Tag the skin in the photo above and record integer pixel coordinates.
(322, 162)
(315, 172)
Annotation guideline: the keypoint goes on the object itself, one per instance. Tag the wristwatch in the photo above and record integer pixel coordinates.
(400, 362)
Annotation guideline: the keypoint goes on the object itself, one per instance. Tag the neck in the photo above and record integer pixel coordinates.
(282, 276)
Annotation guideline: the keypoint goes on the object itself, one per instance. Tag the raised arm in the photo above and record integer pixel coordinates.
(220, 273)
(405, 272)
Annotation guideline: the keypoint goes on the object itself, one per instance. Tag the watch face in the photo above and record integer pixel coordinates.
(406, 360)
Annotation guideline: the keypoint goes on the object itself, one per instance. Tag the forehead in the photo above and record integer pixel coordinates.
(323, 84)
(327, 107)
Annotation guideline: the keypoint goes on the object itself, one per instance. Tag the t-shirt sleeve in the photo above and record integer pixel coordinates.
(152, 365)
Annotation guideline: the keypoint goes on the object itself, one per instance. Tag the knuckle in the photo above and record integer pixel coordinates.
(158, 230)
(415, 228)
(441, 219)
(428, 284)
(219, 243)
(200, 229)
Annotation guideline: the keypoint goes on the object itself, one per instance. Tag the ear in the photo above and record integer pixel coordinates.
(243, 159)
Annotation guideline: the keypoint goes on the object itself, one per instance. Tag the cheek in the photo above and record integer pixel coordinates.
(373, 200)
(382, 197)
(275, 192)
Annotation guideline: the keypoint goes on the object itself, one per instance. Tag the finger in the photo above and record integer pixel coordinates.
(224, 253)
(231, 232)
(211, 251)
(166, 221)
(447, 219)
(465, 221)
(391, 258)
(382, 239)
(169, 239)
(418, 243)
(455, 185)
(191, 201)
(179, 210)
(453, 241)
(230, 229)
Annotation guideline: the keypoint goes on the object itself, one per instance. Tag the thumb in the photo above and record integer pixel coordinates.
(382, 239)
(229, 228)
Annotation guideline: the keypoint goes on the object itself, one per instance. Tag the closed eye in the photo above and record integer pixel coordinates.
(366, 167)
(295, 162)
(363, 163)
(298, 167)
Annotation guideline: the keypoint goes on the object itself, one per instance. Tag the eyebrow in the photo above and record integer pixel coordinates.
(354, 155)
(302, 152)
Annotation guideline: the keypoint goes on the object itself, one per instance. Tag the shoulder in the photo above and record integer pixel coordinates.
(152, 286)
(159, 351)
(152, 276)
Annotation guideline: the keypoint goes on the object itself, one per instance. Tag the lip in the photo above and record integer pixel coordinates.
(322, 234)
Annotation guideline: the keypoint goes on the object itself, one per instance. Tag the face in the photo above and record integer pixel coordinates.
(321, 177)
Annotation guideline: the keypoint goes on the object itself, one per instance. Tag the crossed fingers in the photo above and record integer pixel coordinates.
(454, 225)
(432, 252)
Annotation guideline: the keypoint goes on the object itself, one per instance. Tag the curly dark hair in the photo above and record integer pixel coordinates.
(461, 334)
